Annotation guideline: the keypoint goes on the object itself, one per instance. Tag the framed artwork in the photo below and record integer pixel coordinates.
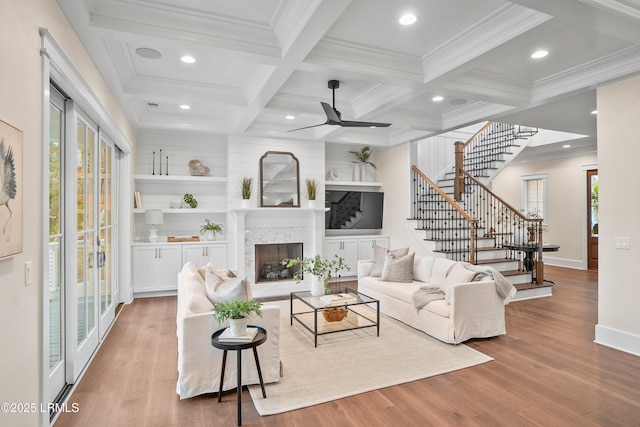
(11, 190)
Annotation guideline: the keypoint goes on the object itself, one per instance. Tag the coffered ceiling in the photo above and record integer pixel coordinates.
(259, 61)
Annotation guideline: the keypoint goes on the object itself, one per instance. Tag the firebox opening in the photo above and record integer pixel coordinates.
(269, 259)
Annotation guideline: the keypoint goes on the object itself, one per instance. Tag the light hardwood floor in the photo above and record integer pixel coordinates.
(547, 372)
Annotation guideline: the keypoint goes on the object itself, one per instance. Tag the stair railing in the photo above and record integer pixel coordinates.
(480, 152)
(510, 228)
(441, 216)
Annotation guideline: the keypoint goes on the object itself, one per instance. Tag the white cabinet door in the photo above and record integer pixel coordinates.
(345, 248)
(365, 246)
(200, 255)
(156, 268)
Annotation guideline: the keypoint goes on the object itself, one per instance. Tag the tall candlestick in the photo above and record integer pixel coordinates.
(160, 161)
(167, 171)
(153, 162)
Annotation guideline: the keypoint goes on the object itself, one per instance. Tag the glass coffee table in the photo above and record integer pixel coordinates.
(318, 316)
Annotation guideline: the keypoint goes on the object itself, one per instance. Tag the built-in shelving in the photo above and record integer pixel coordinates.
(352, 184)
(179, 178)
(183, 210)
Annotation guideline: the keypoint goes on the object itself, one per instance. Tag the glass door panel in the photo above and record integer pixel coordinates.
(105, 243)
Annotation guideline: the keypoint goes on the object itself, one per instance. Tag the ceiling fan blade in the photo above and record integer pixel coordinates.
(332, 116)
(354, 124)
(307, 127)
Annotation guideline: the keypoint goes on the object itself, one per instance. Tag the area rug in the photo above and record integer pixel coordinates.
(353, 362)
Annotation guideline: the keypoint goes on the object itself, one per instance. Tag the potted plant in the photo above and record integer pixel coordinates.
(312, 191)
(362, 160)
(246, 186)
(322, 271)
(210, 230)
(190, 201)
(237, 311)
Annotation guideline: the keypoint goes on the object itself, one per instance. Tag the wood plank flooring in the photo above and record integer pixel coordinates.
(547, 372)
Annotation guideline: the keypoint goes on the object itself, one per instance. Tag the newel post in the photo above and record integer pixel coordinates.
(458, 181)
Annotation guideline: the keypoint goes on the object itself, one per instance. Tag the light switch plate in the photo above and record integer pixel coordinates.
(27, 273)
(622, 243)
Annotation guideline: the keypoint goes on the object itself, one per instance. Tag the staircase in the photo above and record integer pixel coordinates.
(461, 219)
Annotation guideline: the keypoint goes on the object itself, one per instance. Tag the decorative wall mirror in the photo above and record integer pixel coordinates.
(279, 180)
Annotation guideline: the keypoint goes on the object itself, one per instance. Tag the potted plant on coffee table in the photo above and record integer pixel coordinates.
(209, 229)
(238, 312)
(322, 271)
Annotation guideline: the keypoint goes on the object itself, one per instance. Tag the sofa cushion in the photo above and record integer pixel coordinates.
(398, 269)
(379, 254)
(212, 282)
(441, 267)
(422, 268)
(457, 274)
(402, 291)
(195, 296)
(203, 270)
(439, 307)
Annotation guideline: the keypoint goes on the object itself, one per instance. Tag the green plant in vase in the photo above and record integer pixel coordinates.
(246, 186)
(209, 229)
(363, 158)
(312, 189)
(322, 269)
(237, 311)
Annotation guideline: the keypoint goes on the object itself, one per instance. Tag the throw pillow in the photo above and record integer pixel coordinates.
(231, 274)
(398, 269)
(379, 254)
(235, 288)
(212, 282)
(195, 295)
(203, 270)
(441, 267)
(458, 274)
(190, 270)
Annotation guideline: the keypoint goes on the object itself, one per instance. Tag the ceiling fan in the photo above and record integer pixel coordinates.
(334, 116)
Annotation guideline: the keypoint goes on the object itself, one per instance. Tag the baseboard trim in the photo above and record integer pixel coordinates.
(620, 340)
(563, 262)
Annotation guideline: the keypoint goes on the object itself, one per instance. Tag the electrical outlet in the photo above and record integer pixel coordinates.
(27, 273)
(622, 243)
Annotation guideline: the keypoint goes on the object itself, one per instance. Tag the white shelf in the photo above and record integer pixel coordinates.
(183, 210)
(180, 178)
(352, 184)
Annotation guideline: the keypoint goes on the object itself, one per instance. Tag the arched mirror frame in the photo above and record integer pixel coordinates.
(296, 194)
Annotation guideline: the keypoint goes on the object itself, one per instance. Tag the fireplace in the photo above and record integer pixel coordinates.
(268, 261)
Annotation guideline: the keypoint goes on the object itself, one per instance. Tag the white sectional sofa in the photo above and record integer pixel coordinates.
(199, 363)
(461, 301)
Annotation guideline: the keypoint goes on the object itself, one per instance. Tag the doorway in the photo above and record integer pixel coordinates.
(592, 219)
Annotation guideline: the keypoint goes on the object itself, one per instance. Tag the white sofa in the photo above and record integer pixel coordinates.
(464, 309)
(199, 363)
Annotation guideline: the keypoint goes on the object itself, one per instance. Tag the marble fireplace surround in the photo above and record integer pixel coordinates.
(276, 225)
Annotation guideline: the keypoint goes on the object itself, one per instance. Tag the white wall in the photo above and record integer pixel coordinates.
(566, 209)
(21, 106)
(618, 154)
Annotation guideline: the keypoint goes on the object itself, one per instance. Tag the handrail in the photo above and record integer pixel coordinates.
(444, 195)
(477, 133)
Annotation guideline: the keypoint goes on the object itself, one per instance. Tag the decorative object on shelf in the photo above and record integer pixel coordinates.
(153, 163)
(312, 192)
(160, 161)
(175, 203)
(137, 200)
(361, 162)
(334, 174)
(334, 314)
(246, 186)
(322, 271)
(153, 217)
(190, 201)
(210, 230)
(237, 311)
(183, 238)
(196, 168)
(167, 169)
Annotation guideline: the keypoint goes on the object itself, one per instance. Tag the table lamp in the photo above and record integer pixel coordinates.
(153, 217)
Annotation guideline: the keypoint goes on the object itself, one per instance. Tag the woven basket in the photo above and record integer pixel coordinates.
(335, 314)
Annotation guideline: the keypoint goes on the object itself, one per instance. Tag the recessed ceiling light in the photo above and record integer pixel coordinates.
(185, 107)
(148, 53)
(290, 117)
(373, 127)
(566, 146)
(407, 19)
(594, 112)
(188, 59)
(539, 54)
(437, 98)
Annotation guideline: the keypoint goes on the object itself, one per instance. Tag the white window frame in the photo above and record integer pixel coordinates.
(525, 180)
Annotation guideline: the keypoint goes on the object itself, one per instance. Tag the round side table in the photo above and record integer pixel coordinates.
(260, 338)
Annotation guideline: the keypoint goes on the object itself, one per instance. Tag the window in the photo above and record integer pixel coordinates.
(534, 196)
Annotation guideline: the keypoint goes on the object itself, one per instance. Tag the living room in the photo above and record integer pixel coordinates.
(24, 276)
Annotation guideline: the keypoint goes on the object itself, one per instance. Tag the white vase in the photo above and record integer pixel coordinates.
(238, 326)
(357, 172)
(209, 235)
(317, 286)
(313, 204)
(246, 203)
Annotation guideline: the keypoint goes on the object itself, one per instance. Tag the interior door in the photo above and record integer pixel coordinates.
(106, 246)
(592, 219)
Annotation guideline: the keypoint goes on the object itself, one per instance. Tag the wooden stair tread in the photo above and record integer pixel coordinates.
(467, 250)
(460, 239)
(526, 286)
(495, 260)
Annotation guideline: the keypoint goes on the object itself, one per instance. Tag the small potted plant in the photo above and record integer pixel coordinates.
(209, 229)
(190, 201)
(237, 311)
(362, 160)
(312, 192)
(321, 269)
(246, 186)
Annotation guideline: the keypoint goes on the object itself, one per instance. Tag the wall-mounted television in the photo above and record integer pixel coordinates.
(353, 210)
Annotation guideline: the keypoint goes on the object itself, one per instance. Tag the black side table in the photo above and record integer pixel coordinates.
(260, 338)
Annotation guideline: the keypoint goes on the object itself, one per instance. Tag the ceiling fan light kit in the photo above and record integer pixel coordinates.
(334, 118)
